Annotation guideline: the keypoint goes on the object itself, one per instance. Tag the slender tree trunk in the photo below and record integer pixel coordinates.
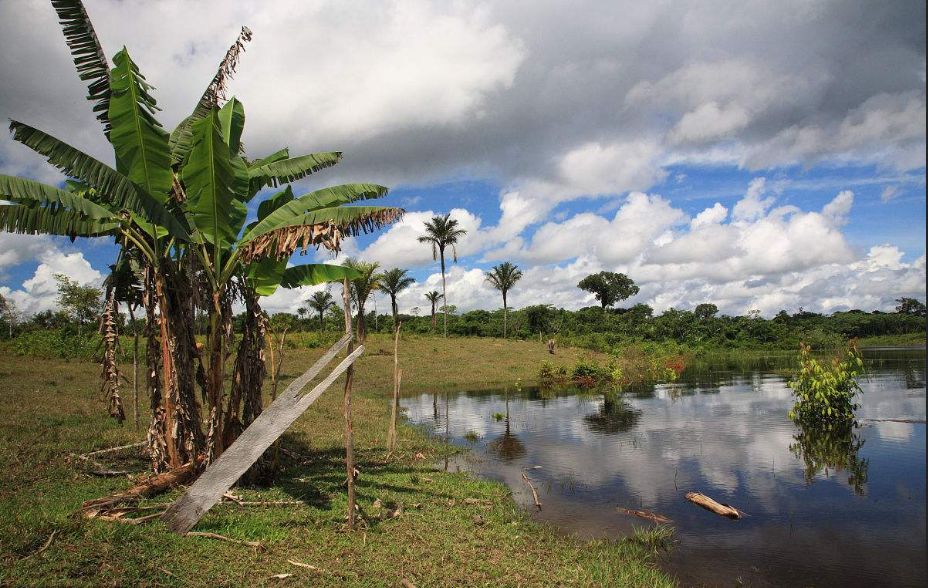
(135, 366)
(349, 426)
(433, 316)
(505, 314)
(322, 321)
(444, 293)
(397, 374)
(395, 309)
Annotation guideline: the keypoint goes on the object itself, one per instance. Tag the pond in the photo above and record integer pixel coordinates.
(841, 508)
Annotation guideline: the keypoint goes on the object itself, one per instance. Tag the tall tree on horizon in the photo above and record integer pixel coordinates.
(503, 277)
(609, 287)
(393, 282)
(441, 232)
(361, 288)
(321, 302)
(433, 297)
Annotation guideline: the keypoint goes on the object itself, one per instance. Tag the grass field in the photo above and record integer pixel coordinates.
(454, 530)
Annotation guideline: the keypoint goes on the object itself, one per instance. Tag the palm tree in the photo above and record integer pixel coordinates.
(503, 277)
(321, 302)
(179, 200)
(442, 231)
(367, 281)
(393, 282)
(433, 297)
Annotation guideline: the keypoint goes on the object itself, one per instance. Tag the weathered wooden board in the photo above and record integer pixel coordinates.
(251, 444)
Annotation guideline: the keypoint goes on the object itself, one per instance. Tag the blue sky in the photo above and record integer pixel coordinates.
(712, 153)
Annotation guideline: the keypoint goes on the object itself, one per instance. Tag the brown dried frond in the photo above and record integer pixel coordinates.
(283, 242)
(216, 91)
(110, 372)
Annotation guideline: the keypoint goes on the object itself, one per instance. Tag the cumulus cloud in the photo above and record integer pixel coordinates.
(40, 292)
(399, 245)
(768, 258)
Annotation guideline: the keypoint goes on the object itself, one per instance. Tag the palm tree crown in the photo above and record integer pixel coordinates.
(393, 282)
(321, 302)
(361, 288)
(503, 277)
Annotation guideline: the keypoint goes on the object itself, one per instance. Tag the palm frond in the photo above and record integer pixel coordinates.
(209, 178)
(111, 186)
(89, 58)
(311, 274)
(324, 198)
(290, 170)
(26, 191)
(141, 144)
(32, 219)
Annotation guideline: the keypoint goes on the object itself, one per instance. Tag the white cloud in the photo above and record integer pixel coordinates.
(710, 216)
(752, 206)
(399, 245)
(40, 292)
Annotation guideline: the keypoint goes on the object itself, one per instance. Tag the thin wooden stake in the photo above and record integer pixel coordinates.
(397, 378)
(349, 427)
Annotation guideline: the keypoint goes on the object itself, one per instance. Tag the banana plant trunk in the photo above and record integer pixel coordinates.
(175, 437)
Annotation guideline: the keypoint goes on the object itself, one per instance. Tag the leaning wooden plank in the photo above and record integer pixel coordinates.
(235, 461)
(716, 507)
(297, 385)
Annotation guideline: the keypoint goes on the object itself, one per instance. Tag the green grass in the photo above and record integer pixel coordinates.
(893, 340)
(52, 409)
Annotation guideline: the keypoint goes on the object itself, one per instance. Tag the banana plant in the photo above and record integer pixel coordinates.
(181, 200)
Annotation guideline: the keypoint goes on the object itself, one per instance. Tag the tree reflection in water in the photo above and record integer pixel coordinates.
(507, 446)
(832, 446)
(614, 416)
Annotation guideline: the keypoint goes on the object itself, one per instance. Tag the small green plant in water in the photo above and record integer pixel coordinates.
(825, 390)
(656, 539)
(498, 416)
(472, 436)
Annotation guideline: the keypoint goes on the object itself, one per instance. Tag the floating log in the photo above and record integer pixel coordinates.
(716, 507)
(646, 514)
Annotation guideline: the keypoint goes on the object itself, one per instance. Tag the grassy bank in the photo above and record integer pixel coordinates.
(454, 530)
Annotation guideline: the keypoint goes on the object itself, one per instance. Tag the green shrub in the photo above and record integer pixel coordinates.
(56, 344)
(825, 390)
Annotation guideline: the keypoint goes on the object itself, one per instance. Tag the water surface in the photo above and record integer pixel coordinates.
(823, 508)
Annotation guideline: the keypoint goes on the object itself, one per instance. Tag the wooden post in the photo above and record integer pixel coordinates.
(349, 427)
(251, 444)
(397, 377)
